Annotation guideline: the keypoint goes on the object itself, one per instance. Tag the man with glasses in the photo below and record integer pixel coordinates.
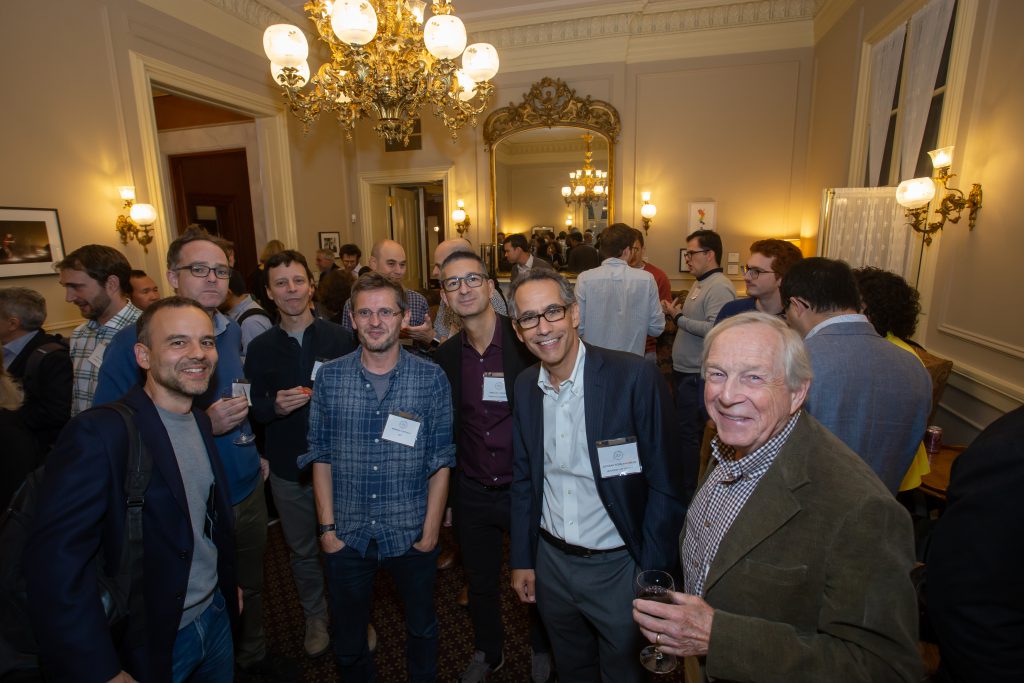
(769, 262)
(447, 322)
(596, 488)
(380, 442)
(482, 363)
(197, 268)
(694, 317)
(619, 305)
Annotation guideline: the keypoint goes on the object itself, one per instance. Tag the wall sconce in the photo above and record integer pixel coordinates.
(916, 195)
(460, 218)
(647, 210)
(136, 225)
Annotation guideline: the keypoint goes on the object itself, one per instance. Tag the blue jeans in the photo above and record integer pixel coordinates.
(203, 650)
(350, 585)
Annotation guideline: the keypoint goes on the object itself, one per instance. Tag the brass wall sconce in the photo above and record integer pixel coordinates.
(460, 217)
(647, 210)
(916, 195)
(137, 224)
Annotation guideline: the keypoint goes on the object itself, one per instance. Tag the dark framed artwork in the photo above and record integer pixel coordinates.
(331, 241)
(30, 241)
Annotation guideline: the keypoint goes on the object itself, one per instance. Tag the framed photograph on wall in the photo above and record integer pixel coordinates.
(30, 241)
(683, 266)
(702, 216)
(330, 240)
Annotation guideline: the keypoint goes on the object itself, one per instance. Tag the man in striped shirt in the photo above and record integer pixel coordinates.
(97, 280)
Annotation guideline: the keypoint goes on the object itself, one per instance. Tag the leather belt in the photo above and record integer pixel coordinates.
(576, 550)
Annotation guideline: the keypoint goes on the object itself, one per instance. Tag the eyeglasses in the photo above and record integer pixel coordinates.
(473, 280)
(690, 254)
(552, 314)
(203, 270)
(382, 313)
(754, 273)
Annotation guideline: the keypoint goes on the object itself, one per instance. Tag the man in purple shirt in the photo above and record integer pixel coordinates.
(482, 363)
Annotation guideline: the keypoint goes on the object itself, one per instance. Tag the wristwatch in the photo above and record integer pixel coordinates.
(322, 529)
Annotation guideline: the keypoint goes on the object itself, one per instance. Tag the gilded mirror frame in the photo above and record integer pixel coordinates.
(552, 103)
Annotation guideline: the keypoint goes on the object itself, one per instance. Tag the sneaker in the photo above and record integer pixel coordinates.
(317, 640)
(479, 670)
(540, 667)
(371, 637)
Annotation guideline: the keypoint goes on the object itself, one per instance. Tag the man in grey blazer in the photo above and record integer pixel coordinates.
(796, 558)
(517, 251)
(867, 391)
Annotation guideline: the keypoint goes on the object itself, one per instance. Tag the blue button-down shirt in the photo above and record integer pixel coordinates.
(379, 486)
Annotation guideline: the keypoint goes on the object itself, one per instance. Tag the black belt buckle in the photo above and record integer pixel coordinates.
(574, 550)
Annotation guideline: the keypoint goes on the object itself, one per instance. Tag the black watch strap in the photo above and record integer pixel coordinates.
(322, 529)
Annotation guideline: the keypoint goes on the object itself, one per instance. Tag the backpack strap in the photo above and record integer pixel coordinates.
(36, 357)
(248, 313)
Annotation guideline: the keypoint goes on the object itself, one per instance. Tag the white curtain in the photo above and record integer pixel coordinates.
(885, 71)
(928, 28)
(864, 226)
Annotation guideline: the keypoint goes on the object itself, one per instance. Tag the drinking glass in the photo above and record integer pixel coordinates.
(240, 387)
(652, 584)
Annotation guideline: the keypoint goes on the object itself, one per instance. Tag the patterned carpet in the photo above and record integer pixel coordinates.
(285, 625)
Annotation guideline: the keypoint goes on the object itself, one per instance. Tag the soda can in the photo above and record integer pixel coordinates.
(932, 440)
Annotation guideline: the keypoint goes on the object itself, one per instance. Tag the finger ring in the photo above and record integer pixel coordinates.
(657, 640)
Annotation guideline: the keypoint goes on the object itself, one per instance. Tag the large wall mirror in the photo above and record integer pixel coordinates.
(535, 146)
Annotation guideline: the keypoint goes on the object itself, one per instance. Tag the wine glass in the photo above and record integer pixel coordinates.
(652, 584)
(240, 387)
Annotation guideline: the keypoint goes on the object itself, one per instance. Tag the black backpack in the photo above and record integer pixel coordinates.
(122, 594)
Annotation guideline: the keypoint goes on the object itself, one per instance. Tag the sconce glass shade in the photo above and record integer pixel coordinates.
(458, 215)
(915, 193)
(354, 21)
(480, 60)
(467, 84)
(285, 45)
(645, 196)
(648, 211)
(127, 192)
(143, 214)
(444, 36)
(277, 70)
(942, 157)
(416, 9)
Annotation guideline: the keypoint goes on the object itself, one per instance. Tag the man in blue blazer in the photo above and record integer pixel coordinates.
(79, 529)
(870, 393)
(597, 485)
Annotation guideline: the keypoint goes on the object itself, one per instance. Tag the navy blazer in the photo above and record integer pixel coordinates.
(624, 395)
(81, 517)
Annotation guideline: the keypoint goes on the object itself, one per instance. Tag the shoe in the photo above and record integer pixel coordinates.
(317, 640)
(478, 669)
(540, 668)
(371, 637)
(446, 560)
(272, 667)
(463, 599)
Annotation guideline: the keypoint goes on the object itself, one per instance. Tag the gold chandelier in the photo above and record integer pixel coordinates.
(587, 185)
(386, 63)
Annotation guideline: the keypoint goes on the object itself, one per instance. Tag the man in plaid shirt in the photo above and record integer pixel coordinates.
(97, 280)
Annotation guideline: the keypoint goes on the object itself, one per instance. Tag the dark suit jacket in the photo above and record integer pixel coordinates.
(812, 581)
(517, 271)
(514, 357)
(81, 514)
(47, 406)
(975, 600)
(624, 395)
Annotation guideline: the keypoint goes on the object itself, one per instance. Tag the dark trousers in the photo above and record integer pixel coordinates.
(688, 403)
(350, 585)
(250, 542)
(482, 520)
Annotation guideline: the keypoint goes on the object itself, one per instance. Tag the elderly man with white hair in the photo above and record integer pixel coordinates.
(796, 558)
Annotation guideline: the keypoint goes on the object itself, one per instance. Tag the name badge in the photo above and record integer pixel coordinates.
(242, 389)
(494, 387)
(618, 457)
(401, 428)
(96, 357)
(316, 368)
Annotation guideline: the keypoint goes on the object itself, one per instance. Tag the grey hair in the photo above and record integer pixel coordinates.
(27, 305)
(795, 361)
(565, 288)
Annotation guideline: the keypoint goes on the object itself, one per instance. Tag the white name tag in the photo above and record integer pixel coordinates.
(242, 389)
(96, 357)
(401, 429)
(494, 387)
(618, 457)
(316, 367)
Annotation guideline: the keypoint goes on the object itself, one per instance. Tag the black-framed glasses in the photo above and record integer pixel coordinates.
(474, 280)
(203, 270)
(691, 253)
(552, 314)
(754, 273)
(382, 313)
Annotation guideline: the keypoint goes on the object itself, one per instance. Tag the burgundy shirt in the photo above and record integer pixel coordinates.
(485, 441)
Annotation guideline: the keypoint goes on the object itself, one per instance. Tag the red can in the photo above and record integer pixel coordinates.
(933, 439)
